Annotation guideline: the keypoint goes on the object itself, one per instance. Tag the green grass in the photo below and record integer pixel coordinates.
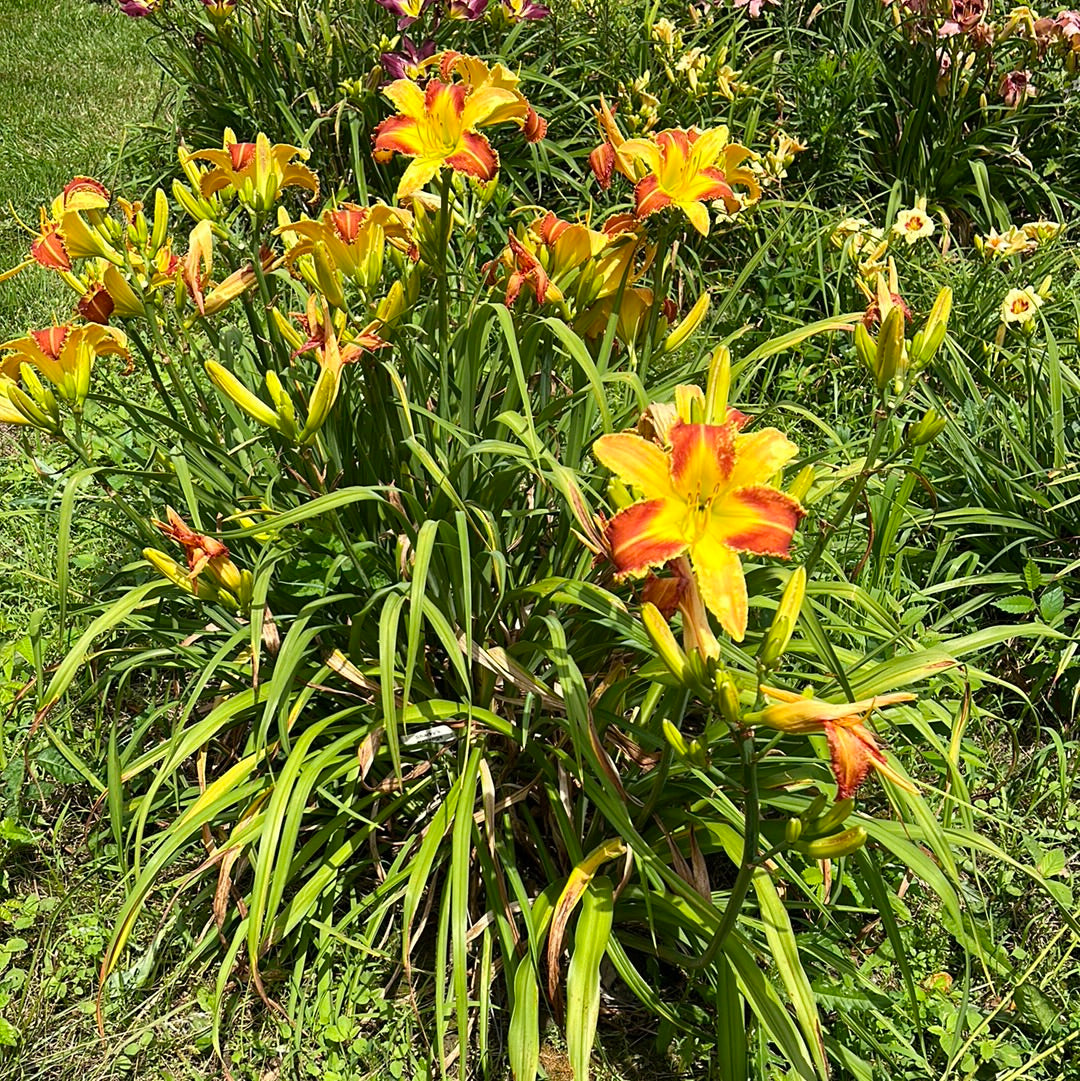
(77, 81)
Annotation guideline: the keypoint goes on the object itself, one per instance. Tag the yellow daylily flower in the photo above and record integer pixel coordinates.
(706, 494)
(256, 171)
(687, 169)
(64, 355)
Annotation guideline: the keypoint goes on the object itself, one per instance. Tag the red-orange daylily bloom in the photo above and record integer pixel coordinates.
(852, 747)
(203, 553)
(706, 495)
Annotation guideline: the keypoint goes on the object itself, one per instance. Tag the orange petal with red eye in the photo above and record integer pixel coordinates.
(51, 341)
(96, 306)
(602, 164)
(646, 535)
(702, 456)
(535, 127)
(477, 158)
(397, 134)
(648, 198)
(854, 753)
(85, 193)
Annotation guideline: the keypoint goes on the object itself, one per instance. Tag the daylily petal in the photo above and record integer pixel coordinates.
(720, 579)
(477, 158)
(702, 456)
(636, 462)
(646, 535)
(758, 519)
(760, 455)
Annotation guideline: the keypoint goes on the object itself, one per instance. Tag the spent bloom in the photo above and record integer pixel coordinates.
(1016, 88)
(1020, 305)
(853, 750)
(706, 493)
(914, 223)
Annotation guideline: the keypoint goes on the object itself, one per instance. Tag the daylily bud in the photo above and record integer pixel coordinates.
(322, 399)
(890, 348)
(793, 830)
(664, 643)
(1044, 287)
(178, 575)
(28, 408)
(282, 402)
(926, 344)
(233, 389)
(287, 328)
(689, 324)
(783, 624)
(675, 738)
(803, 482)
(834, 847)
(161, 221)
(866, 347)
(718, 386)
(728, 698)
(328, 276)
(927, 429)
(198, 209)
(820, 825)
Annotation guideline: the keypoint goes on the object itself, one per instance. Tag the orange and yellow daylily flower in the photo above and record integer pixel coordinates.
(705, 494)
(687, 169)
(608, 157)
(64, 355)
(438, 126)
(256, 171)
(354, 238)
(852, 747)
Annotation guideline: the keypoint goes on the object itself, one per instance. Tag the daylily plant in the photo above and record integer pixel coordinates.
(705, 493)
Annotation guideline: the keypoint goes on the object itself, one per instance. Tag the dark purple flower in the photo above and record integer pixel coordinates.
(407, 11)
(406, 63)
(517, 10)
(136, 9)
(469, 10)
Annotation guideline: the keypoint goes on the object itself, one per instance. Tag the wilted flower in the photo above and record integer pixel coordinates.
(1016, 88)
(852, 747)
(1020, 305)
(914, 223)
